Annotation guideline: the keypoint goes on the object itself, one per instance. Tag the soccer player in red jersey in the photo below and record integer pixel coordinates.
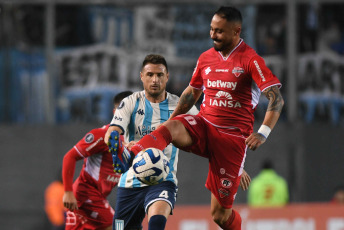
(86, 198)
(232, 76)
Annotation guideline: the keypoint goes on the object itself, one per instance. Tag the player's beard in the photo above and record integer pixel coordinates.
(155, 92)
(221, 46)
(218, 47)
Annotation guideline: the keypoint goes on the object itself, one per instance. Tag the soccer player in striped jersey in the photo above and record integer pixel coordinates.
(139, 115)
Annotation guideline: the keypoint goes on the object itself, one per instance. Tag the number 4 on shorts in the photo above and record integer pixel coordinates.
(164, 194)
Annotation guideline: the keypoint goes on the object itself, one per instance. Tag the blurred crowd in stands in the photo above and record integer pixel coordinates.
(97, 48)
(320, 67)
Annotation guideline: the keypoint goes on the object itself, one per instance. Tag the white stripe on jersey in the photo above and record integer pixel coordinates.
(255, 94)
(139, 117)
(93, 164)
(80, 154)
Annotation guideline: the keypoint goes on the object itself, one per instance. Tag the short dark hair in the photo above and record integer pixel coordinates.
(154, 59)
(230, 13)
(120, 96)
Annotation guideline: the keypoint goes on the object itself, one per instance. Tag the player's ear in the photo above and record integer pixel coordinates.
(237, 29)
(141, 75)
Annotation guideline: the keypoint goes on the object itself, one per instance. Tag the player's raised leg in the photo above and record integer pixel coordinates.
(227, 219)
(172, 131)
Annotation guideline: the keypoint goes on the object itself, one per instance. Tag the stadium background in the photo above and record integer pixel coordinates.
(62, 61)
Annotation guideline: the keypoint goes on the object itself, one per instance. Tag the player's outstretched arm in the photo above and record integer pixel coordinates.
(188, 98)
(272, 115)
(68, 168)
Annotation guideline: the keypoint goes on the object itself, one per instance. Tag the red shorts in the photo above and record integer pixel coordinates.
(91, 215)
(226, 151)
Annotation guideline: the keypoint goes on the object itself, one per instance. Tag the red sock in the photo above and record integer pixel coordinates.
(159, 139)
(233, 222)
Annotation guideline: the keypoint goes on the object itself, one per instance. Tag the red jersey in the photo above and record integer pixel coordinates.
(97, 177)
(232, 86)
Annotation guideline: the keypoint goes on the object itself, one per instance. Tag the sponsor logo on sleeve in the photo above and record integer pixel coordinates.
(121, 105)
(89, 138)
(118, 118)
(94, 144)
(259, 70)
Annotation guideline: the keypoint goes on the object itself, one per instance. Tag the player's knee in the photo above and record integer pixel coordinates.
(175, 127)
(171, 124)
(218, 220)
(219, 217)
(228, 220)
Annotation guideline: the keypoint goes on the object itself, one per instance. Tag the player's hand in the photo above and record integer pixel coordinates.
(130, 144)
(69, 201)
(107, 134)
(245, 180)
(255, 140)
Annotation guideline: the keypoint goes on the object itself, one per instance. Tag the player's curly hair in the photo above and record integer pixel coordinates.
(154, 59)
(230, 13)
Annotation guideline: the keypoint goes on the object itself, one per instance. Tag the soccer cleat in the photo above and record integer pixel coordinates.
(120, 155)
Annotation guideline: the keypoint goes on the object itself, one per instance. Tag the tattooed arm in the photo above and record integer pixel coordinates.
(271, 116)
(188, 98)
(275, 106)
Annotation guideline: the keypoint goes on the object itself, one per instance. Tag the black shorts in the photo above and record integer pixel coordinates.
(132, 203)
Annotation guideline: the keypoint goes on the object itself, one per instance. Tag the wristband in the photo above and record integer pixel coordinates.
(264, 130)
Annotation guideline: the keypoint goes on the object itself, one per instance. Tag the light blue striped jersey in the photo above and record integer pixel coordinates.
(137, 117)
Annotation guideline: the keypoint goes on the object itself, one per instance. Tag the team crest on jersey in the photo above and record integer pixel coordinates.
(226, 183)
(237, 71)
(121, 105)
(89, 138)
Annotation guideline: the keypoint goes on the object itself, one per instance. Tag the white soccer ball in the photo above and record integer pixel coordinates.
(151, 166)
